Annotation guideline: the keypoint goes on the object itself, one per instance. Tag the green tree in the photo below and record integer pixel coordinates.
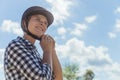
(70, 72)
(89, 75)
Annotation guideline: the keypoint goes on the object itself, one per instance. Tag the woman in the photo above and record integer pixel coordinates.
(22, 60)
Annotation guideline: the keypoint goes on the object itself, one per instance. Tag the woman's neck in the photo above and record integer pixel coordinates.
(29, 38)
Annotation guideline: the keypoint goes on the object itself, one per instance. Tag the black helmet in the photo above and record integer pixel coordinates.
(32, 11)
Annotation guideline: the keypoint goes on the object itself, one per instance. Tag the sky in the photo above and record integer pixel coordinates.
(87, 32)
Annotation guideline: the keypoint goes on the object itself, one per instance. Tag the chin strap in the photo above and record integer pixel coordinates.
(32, 35)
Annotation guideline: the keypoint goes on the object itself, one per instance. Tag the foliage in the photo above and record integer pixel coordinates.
(70, 72)
(89, 75)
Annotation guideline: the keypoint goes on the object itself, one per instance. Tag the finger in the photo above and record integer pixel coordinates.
(43, 37)
(47, 37)
(51, 38)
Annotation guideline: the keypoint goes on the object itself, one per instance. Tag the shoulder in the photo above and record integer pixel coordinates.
(14, 45)
(14, 42)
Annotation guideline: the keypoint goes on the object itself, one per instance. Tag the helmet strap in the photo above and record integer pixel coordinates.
(32, 35)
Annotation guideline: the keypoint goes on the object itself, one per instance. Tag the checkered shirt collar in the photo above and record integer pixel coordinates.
(26, 42)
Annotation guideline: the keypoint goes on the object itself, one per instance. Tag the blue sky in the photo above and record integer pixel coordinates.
(87, 32)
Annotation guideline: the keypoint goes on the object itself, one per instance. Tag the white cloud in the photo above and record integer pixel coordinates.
(12, 27)
(1, 58)
(116, 30)
(117, 10)
(1, 66)
(1, 63)
(78, 29)
(60, 9)
(90, 19)
(1, 53)
(76, 48)
(89, 57)
(61, 31)
(115, 72)
(117, 26)
(112, 35)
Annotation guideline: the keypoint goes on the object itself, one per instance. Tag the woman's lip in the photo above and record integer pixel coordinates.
(39, 28)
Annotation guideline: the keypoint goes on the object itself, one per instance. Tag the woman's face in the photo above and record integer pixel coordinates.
(37, 25)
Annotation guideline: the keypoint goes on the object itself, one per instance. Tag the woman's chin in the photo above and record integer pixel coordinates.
(40, 35)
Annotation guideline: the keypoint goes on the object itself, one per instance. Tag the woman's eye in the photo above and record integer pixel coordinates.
(45, 23)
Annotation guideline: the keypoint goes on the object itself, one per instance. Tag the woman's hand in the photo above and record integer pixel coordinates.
(47, 43)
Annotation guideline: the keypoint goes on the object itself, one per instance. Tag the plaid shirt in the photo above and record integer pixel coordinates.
(22, 62)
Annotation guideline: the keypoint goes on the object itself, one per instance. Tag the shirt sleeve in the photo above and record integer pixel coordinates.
(27, 64)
